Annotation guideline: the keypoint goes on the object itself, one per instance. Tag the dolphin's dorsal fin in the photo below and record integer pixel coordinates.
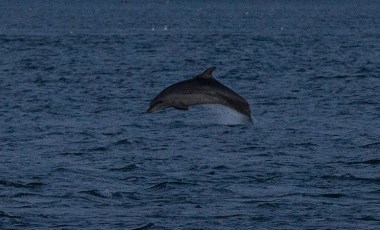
(207, 73)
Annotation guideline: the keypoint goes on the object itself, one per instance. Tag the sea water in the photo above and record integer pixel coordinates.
(79, 151)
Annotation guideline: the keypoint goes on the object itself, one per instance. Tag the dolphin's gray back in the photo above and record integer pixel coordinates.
(204, 91)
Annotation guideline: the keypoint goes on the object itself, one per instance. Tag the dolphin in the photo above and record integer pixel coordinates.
(202, 89)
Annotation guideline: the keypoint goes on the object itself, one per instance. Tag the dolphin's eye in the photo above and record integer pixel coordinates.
(159, 102)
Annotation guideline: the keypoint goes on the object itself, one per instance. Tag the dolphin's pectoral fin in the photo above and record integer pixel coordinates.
(180, 106)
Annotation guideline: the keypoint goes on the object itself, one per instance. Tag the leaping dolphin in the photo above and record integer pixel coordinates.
(202, 89)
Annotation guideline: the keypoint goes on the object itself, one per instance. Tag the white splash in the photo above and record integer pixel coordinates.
(227, 116)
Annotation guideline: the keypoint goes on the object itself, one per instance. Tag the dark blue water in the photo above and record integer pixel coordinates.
(78, 150)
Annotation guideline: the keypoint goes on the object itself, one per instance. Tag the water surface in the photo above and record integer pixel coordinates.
(78, 150)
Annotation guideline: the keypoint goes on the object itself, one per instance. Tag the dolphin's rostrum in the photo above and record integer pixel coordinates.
(202, 89)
